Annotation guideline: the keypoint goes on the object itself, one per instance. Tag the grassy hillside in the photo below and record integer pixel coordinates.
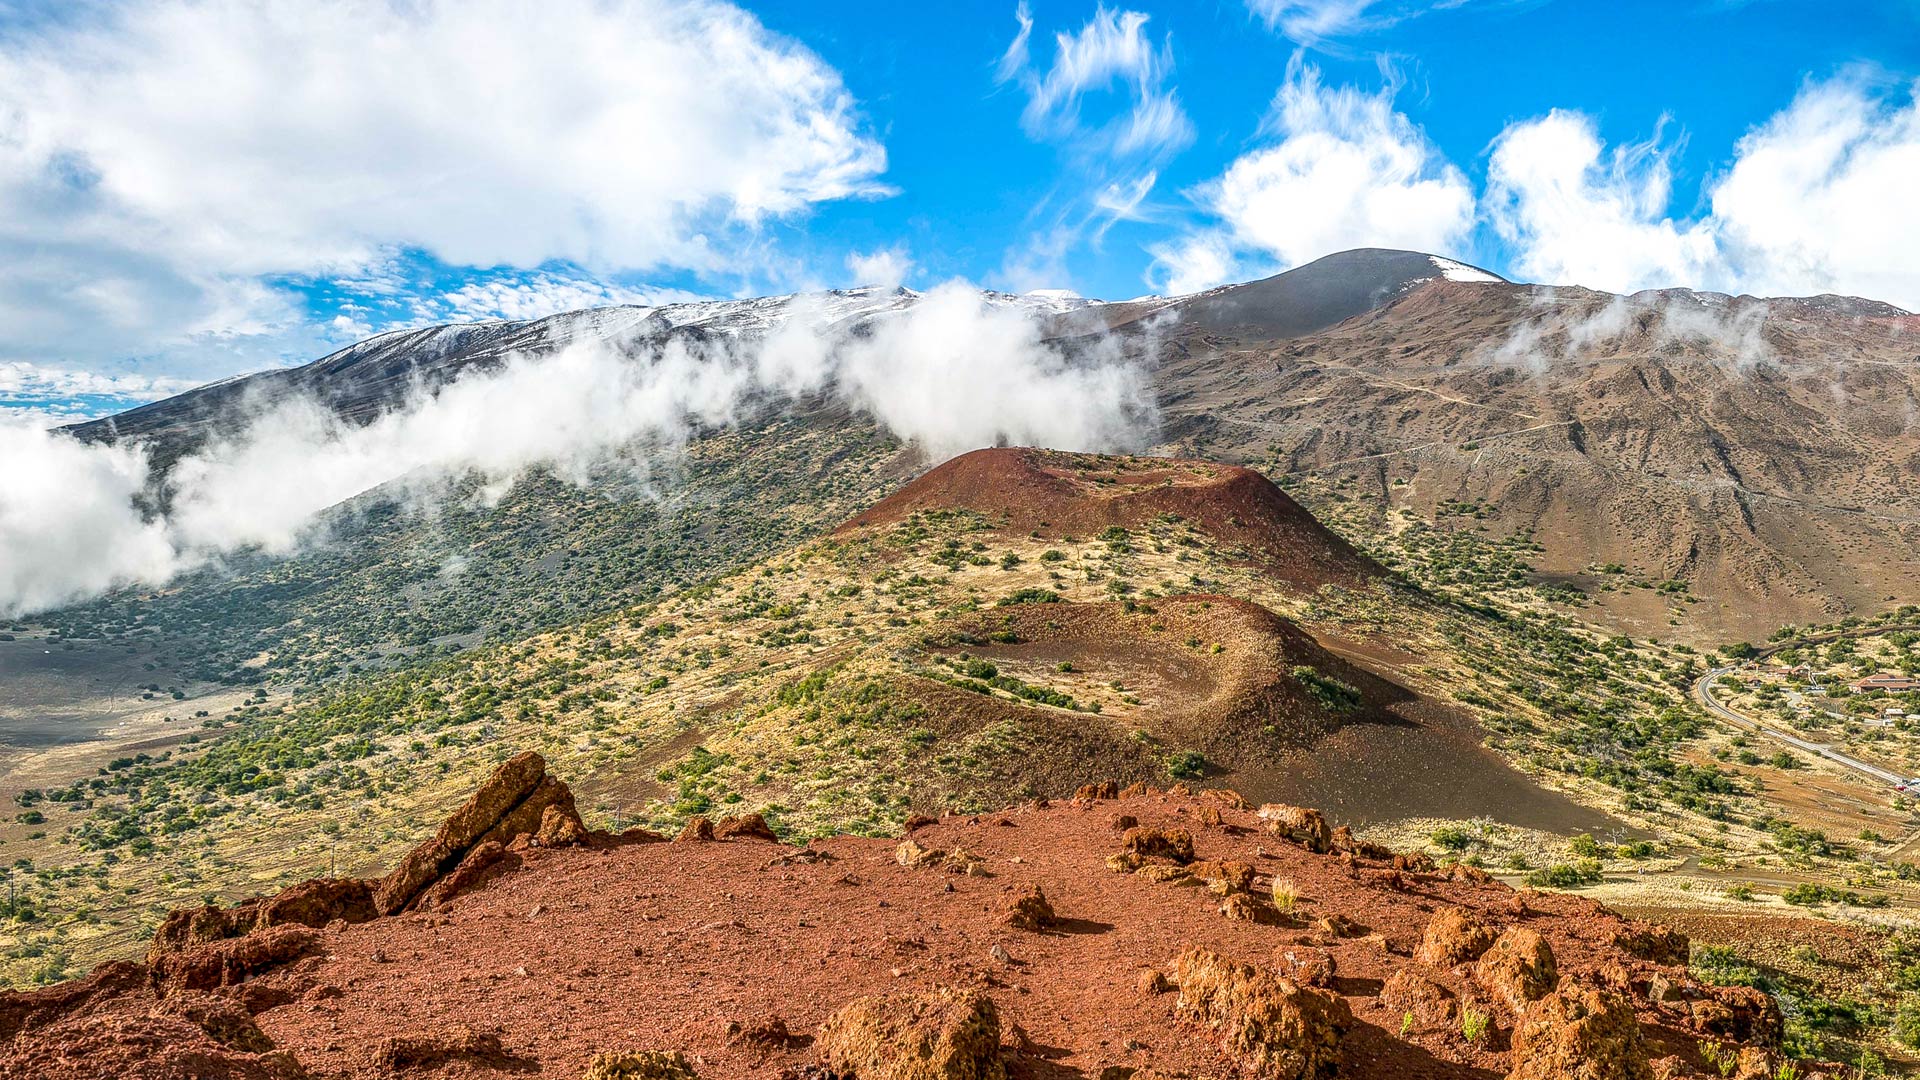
(937, 661)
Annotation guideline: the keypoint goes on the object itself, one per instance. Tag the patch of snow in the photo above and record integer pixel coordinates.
(1454, 271)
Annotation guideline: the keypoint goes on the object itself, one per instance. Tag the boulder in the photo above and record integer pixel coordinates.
(1652, 942)
(1272, 1027)
(1232, 875)
(481, 863)
(1518, 969)
(502, 792)
(640, 1065)
(1154, 842)
(458, 1042)
(1580, 1033)
(1029, 910)
(1453, 936)
(1303, 826)
(1409, 993)
(745, 827)
(698, 829)
(1305, 964)
(944, 1034)
(226, 963)
(158, 1045)
(1106, 789)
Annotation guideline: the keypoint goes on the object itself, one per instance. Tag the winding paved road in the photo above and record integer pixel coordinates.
(1703, 693)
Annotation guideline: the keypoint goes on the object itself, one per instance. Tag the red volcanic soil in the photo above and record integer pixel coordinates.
(1026, 490)
(735, 952)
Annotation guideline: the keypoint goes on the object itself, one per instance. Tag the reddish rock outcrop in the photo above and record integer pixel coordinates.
(1453, 936)
(1029, 910)
(1580, 1033)
(1652, 942)
(1409, 993)
(1153, 842)
(1518, 969)
(946, 1034)
(495, 804)
(226, 963)
(1303, 826)
(745, 827)
(1271, 1026)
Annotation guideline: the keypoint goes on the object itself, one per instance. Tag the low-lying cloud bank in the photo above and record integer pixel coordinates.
(950, 372)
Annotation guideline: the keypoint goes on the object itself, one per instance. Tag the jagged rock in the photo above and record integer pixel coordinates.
(1228, 798)
(1453, 936)
(225, 963)
(224, 1020)
(24, 1010)
(1270, 1025)
(560, 827)
(160, 1045)
(1135, 790)
(1305, 964)
(1518, 969)
(1414, 862)
(415, 1051)
(641, 1065)
(502, 792)
(1106, 789)
(1152, 981)
(311, 903)
(525, 818)
(1580, 1033)
(1653, 942)
(945, 1034)
(1236, 876)
(1154, 842)
(1247, 908)
(1741, 1014)
(770, 1033)
(698, 829)
(1335, 925)
(1431, 1005)
(1299, 824)
(913, 855)
(1462, 872)
(488, 856)
(1029, 910)
(1125, 862)
(745, 827)
(1123, 822)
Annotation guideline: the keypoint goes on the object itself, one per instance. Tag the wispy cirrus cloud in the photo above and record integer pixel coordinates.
(1106, 96)
(1111, 53)
(1311, 22)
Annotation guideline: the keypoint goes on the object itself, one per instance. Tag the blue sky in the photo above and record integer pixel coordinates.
(195, 188)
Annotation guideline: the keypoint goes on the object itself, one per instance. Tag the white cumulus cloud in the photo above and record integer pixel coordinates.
(159, 160)
(1816, 199)
(1341, 169)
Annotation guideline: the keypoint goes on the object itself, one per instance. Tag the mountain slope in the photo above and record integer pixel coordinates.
(1764, 456)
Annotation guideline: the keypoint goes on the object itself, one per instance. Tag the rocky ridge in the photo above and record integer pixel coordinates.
(1125, 932)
